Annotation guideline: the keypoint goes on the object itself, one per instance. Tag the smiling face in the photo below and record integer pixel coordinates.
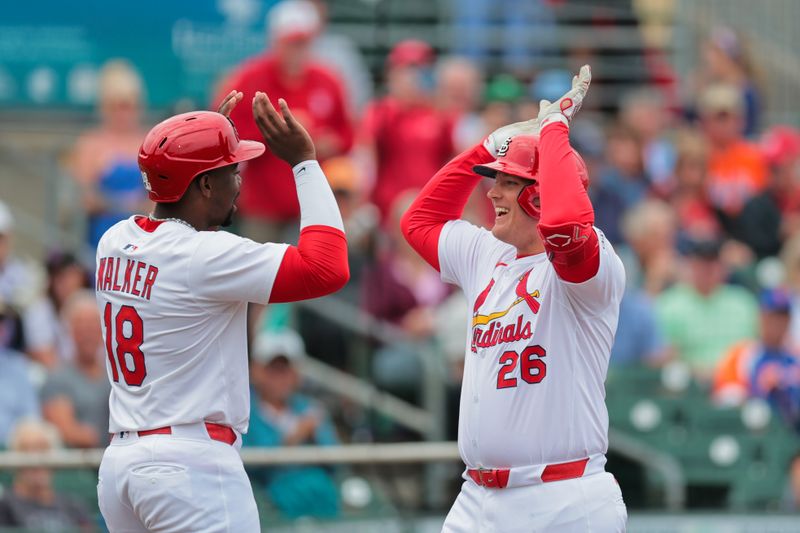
(511, 224)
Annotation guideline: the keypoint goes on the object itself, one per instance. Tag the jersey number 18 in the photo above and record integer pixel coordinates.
(127, 331)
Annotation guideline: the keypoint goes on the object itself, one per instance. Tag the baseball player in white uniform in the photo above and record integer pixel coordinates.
(173, 293)
(544, 287)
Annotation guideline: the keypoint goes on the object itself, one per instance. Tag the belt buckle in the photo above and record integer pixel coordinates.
(493, 477)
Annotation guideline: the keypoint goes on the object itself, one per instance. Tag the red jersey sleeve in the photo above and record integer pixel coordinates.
(442, 199)
(315, 267)
(567, 214)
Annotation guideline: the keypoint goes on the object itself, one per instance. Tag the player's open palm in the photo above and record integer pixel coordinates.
(564, 108)
(283, 134)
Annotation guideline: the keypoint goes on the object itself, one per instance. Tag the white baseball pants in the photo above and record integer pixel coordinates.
(589, 504)
(181, 483)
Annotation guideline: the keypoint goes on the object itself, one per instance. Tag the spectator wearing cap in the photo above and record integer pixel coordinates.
(46, 337)
(736, 168)
(405, 135)
(764, 367)
(103, 160)
(702, 317)
(75, 395)
(503, 94)
(774, 214)
(282, 416)
(33, 504)
(317, 97)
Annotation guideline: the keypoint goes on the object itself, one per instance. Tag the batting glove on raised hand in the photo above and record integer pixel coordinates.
(498, 137)
(564, 108)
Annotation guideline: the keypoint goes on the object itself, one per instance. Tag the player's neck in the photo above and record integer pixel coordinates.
(180, 212)
(532, 247)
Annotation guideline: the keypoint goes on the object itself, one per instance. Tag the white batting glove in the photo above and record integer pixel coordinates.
(498, 137)
(563, 109)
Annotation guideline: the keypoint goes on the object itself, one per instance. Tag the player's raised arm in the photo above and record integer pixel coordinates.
(567, 215)
(443, 198)
(318, 264)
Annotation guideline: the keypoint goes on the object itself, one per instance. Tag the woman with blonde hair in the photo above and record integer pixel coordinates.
(103, 160)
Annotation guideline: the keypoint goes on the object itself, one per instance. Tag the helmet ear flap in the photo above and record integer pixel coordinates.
(525, 200)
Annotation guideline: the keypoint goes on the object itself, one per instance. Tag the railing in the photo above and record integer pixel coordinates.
(396, 453)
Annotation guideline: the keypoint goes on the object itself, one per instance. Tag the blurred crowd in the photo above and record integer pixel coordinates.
(698, 195)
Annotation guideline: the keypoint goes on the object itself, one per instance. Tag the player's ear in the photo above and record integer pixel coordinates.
(204, 184)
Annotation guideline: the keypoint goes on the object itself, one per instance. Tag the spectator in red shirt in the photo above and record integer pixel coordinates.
(317, 98)
(409, 138)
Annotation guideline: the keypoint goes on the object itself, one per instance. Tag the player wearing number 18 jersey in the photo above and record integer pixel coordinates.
(173, 294)
(544, 287)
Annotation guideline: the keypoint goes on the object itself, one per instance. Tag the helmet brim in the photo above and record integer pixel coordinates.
(248, 150)
(490, 170)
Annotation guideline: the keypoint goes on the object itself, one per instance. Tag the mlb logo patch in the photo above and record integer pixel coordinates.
(130, 248)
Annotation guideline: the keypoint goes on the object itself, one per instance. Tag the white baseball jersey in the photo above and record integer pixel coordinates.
(174, 307)
(537, 351)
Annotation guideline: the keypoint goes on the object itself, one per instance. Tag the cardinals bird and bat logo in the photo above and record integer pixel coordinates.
(497, 332)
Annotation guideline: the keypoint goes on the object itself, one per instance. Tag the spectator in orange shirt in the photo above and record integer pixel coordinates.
(317, 97)
(736, 169)
(407, 136)
(763, 368)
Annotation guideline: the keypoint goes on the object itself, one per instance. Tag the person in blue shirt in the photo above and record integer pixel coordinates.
(281, 416)
(18, 395)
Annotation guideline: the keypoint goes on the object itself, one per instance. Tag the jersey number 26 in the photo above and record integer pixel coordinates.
(532, 368)
(127, 332)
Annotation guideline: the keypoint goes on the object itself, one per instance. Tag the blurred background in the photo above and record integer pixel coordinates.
(691, 135)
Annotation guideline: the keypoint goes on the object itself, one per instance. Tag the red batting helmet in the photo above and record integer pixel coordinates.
(182, 147)
(519, 156)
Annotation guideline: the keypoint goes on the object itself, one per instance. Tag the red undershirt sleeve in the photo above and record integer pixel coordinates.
(315, 267)
(566, 225)
(442, 199)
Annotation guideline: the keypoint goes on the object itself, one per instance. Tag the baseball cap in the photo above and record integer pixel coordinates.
(411, 52)
(6, 219)
(269, 345)
(504, 88)
(293, 20)
(777, 300)
(706, 248)
(719, 99)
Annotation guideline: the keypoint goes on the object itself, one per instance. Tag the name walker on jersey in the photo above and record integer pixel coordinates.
(128, 276)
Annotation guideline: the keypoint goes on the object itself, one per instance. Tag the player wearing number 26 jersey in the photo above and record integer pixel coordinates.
(544, 288)
(173, 293)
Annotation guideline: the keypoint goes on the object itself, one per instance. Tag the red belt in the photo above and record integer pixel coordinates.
(215, 431)
(497, 478)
